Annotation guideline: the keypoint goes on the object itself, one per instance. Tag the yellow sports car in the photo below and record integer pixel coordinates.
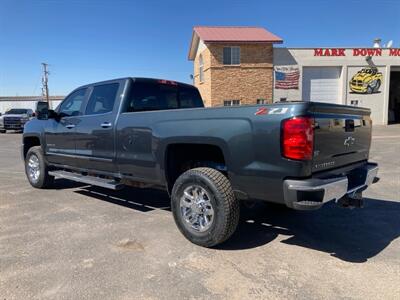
(366, 81)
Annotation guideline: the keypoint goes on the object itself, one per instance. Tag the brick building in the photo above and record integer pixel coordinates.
(233, 65)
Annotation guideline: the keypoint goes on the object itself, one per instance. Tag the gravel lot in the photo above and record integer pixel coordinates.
(81, 242)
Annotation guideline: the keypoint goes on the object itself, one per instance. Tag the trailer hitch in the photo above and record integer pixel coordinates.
(353, 200)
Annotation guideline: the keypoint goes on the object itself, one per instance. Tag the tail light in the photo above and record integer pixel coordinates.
(298, 138)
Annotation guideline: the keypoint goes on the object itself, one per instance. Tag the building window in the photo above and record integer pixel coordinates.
(231, 56)
(261, 101)
(201, 68)
(231, 102)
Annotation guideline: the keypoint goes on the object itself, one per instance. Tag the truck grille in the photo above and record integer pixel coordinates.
(357, 82)
(12, 122)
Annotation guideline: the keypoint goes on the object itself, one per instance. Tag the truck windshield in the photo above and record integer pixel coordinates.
(16, 111)
(146, 96)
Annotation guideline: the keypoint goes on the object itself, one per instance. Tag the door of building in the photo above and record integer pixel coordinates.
(394, 98)
(322, 84)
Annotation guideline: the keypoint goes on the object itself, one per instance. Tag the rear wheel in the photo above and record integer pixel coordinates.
(204, 206)
(36, 169)
(2, 131)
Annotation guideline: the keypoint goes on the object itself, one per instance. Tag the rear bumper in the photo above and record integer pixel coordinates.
(314, 192)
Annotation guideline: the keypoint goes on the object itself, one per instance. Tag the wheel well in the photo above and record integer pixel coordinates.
(30, 142)
(182, 157)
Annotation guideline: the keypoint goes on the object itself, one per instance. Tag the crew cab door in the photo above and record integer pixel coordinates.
(60, 132)
(137, 141)
(94, 132)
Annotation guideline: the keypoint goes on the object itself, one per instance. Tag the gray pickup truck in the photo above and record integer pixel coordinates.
(15, 119)
(148, 132)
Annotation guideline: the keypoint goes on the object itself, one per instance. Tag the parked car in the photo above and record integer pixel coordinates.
(15, 119)
(148, 132)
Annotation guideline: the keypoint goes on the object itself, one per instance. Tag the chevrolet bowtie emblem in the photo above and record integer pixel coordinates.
(349, 141)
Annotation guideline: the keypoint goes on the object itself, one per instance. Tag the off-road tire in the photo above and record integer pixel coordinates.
(44, 180)
(226, 207)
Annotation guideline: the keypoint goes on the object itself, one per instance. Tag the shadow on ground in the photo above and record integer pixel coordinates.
(63, 184)
(143, 200)
(350, 235)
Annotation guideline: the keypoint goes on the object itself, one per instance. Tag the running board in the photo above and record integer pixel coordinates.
(92, 180)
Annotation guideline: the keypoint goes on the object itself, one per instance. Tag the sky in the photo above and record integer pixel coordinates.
(92, 40)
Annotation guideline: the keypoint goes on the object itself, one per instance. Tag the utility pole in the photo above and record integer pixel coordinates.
(45, 79)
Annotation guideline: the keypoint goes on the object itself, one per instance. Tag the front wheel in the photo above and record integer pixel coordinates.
(2, 131)
(377, 86)
(36, 169)
(204, 206)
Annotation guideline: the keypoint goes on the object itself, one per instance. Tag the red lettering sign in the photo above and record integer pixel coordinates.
(329, 52)
(355, 52)
(367, 52)
(317, 52)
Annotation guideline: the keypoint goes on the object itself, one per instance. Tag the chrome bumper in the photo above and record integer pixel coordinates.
(314, 192)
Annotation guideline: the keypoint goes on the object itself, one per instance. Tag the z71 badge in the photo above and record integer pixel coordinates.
(278, 111)
(272, 111)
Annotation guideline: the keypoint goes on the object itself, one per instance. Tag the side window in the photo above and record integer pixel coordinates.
(102, 99)
(231, 56)
(231, 102)
(152, 96)
(201, 68)
(261, 101)
(71, 106)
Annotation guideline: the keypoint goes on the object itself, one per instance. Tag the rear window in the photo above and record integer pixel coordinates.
(147, 96)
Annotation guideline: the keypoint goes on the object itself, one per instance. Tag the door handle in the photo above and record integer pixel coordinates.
(70, 126)
(106, 125)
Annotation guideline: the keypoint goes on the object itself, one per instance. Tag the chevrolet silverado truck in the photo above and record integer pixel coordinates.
(366, 81)
(15, 119)
(156, 133)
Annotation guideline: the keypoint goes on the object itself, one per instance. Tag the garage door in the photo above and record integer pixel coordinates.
(321, 84)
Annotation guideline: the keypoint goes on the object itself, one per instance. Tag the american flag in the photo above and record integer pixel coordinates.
(287, 78)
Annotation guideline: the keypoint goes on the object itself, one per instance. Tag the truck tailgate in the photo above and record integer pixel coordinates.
(342, 135)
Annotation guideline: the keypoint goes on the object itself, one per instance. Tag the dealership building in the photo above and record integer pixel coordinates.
(367, 77)
(241, 65)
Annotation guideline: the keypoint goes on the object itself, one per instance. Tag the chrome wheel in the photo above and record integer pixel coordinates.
(196, 208)
(33, 168)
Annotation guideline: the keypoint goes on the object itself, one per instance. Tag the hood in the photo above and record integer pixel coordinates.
(361, 76)
(15, 116)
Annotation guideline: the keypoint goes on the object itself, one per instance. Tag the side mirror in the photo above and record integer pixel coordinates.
(42, 110)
